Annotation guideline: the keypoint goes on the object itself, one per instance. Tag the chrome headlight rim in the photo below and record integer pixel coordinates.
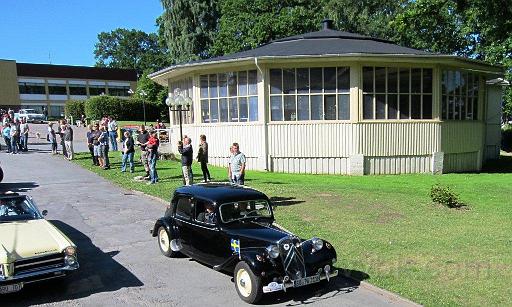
(273, 251)
(317, 243)
(71, 261)
(70, 251)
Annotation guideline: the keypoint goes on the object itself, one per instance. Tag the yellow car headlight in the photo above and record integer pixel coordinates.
(70, 251)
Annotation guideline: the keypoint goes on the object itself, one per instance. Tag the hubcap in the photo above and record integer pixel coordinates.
(164, 240)
(243, 281)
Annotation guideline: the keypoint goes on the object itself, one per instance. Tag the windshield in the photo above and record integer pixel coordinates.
(244, 210)
(17, 209)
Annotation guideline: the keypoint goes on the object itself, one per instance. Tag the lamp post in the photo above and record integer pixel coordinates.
(178, 102)
(143, 94)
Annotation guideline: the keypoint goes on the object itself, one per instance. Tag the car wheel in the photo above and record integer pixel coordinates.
(1, 174)
(248, 285)
(164, 243)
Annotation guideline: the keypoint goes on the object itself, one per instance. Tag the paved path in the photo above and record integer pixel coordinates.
(120, 261)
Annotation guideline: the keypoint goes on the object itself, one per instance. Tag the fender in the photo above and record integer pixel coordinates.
(163, 222)
(249, 256)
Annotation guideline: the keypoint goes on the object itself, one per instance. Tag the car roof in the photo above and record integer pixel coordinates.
(221, 192)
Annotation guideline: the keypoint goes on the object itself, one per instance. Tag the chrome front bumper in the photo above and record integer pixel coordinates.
(44, 274)
(275, 286)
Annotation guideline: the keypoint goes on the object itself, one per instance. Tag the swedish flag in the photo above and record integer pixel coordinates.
(235, 246)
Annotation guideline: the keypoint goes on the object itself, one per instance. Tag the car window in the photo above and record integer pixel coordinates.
(184, 208)
(247, 209)
(205, 212)
(17, 209)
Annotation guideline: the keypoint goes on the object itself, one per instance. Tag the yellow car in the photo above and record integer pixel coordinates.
(31, 248)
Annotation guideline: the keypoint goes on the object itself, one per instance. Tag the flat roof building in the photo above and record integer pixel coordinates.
(342, 103)
(34, 86)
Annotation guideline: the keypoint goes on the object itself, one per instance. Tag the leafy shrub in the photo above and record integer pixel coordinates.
(121, 109)
(74, 108)
(506, 138)
(445, 196)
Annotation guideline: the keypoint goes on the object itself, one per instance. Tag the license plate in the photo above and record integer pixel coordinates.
(306, 281)
(11, 288)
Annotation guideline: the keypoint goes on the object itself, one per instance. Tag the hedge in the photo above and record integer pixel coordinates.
(74, 108)
(121, 109)
(506, 138)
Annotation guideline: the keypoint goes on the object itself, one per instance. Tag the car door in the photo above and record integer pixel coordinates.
(183, 219)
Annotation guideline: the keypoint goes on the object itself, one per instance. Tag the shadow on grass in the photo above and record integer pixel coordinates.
(501, 165)
(285, 201)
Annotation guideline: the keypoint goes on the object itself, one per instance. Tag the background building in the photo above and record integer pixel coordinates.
(342, 103)
(33, 86)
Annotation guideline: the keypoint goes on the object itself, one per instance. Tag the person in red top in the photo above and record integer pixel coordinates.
(152, 147)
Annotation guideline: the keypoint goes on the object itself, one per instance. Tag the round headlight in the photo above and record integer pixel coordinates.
(70, 251)
(318, 244)
(273, 251)
(70, 260)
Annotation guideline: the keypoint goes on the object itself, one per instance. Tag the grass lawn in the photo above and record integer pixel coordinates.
(386, 226)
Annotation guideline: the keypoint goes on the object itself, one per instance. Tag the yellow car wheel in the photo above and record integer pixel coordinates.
(164, 243)
(247, 284)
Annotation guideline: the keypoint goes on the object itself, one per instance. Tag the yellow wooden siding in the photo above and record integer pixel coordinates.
(461, 136)
(9, 93)
(397, 165)
(460, 162)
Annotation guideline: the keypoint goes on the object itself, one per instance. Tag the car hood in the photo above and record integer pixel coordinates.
(25, 239)
(256, 232)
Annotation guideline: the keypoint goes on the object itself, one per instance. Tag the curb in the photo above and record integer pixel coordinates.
(395, 298)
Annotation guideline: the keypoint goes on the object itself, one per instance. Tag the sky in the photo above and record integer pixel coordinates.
(65, 31)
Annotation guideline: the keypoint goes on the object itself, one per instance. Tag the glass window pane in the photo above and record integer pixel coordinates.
(380, 79)
(77, 90)
(392, 80)
(427, 80)
(475, 85)
(450, 82)
(462, 102)
(303, 105)
(404, 80)
(57, 89)
(253, 82)
(392, 106)
(470, 108)
(242, 83)
(243, 109)
(330, 80)
(213, 86)
(404, 106)
(205, 111)
(316, 80)
(427, 107)
(343, 107)
(416, 106)
(214, 110)
(233, 110)
(475, 108)
(330, 107)
(380, 106)
(253, 108)
(276, 108)
(289, 81)
(368, 80)
(444, 106)
(232, 84)
(303, 80)
(290, 112)
(343, 79)
(203, 80)
(416, 80)
(223, 107)
(223, 85)
(276, 81)
(316, 107)
(451, 105)
(368, 106)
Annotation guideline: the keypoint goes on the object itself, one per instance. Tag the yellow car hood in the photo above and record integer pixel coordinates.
(26, 239)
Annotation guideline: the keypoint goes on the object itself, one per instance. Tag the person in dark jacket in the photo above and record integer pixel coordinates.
(128, 152)
(186, 151)
(202, 157)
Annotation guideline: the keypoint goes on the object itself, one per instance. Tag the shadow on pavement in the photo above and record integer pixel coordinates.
(98, 272)
(17, 187)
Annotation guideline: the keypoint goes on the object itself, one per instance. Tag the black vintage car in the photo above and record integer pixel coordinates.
(232, 228)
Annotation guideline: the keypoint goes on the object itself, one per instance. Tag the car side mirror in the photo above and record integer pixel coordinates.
(44, 213)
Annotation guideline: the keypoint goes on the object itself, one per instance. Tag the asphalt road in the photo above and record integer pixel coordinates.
(120, 261)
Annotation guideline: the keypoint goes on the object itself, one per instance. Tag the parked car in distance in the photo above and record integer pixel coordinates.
(32, 248)
(31, 115)
(232, 228)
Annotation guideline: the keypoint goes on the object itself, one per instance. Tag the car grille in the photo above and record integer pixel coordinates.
(292, 257)
(38, 264)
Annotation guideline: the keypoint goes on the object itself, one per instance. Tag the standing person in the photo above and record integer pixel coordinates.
(68, 141)
(90, 137)
(112, 132)
(142, 139)
(186, 151)
(152, 148)
(202, 157)
(104, 147)
(52, 138)
(236, 167)
(45, 113)
(96, 133)
(15, 134)
(24, 134)
(6, 133)
(128, 152)
(60, 132)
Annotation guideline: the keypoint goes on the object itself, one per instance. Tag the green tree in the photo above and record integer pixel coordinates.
(189, 27)
(131, 49)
